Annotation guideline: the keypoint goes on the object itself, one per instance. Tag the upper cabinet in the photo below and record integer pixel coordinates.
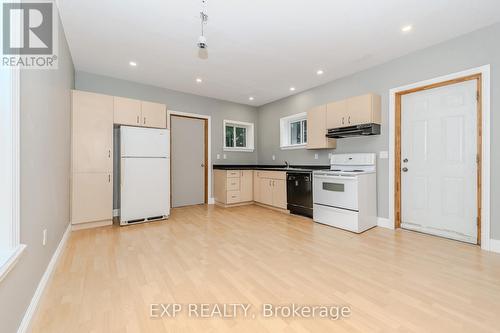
(154, 114)
(134, 112)
(353, 111)
(317, 128)
(127, 111)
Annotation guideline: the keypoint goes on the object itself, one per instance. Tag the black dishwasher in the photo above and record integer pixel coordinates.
(299, 193)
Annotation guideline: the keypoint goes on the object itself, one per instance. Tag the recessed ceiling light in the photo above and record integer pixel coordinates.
(319, 72)
(132, 63)
(199, 80)
(251, 98)
(406, 28)
(292, 88)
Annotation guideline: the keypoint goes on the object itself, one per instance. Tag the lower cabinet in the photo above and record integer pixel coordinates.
(241, 186)
(91, 197)
(271, 189)
(233, 186)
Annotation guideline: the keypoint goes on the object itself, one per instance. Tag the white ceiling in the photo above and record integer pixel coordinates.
(257, 48)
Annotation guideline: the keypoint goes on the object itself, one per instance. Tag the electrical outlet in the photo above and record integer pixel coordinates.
(224, 156)
(316, 156)
(329, 155)
(218, 156)
(274, 157)
(44, 237)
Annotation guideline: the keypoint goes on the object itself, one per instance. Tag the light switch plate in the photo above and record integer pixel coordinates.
(274, 157)
(383, 154)
(218, 156)
(316, 156)
(224, 156)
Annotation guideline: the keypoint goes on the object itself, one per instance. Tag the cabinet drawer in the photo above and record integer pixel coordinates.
(233, 184)
(233, 197)
(272, 174)
(233, 173)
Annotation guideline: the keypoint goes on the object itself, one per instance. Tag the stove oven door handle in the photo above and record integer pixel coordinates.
(323, 175)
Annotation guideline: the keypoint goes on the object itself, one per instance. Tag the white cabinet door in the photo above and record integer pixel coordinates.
(154, 114)
(92, 132)
(438, 152)
(127, 111)
(92, 197)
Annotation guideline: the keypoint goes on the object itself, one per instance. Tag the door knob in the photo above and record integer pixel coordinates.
(405, 169)
(202, 165)
(405, 160)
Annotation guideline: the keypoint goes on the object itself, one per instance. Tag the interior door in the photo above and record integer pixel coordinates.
(438, 161)
(188, 161)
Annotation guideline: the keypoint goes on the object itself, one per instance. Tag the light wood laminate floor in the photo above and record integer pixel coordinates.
(394, 281)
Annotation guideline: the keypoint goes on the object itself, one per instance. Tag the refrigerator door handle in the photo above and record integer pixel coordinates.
(122, 173)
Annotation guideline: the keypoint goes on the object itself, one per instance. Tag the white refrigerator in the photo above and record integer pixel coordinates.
(144, 174)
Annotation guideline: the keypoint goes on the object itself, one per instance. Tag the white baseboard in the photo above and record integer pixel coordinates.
(28, 315)
(495, 245)
(116, 212)
(384, 223)
(211, 201)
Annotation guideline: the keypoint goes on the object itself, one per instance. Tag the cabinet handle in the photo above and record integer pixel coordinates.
(144, 120)
(342, 120)
(138, 119)
(349, 120)
(109, 178)
(109, 153)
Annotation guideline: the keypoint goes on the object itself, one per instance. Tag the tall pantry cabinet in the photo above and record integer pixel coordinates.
(92, 158)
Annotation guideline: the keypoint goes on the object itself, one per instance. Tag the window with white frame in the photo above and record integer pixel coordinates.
(238, 136)
(10, 247)
(293, 131)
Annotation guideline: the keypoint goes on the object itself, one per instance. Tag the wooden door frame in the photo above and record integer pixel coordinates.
(207, 161)
(482, 77)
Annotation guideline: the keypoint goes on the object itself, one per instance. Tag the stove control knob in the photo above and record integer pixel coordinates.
(405, 169)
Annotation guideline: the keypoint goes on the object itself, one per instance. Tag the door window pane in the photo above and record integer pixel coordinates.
(241, 137)
(229, 136)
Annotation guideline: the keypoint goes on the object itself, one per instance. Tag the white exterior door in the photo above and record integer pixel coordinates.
(438, 161)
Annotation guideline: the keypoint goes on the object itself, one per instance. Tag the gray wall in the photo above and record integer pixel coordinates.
(468, 51)
(45, 172)
(177, 101)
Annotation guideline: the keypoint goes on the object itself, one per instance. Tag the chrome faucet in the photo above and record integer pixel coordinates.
(287, 165)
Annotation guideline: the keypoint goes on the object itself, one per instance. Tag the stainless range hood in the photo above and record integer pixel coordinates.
(352, 131)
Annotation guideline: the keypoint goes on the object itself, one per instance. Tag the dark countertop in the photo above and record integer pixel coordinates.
(270, 167)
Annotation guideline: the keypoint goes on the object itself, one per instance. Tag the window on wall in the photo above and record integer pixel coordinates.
(293, 131)
(238, 136)
(10, 248)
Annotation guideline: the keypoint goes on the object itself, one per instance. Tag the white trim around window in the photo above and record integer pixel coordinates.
(249, 136)
(10, 246)
(285, 131)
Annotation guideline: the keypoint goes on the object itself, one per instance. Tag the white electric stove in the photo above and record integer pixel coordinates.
(346, 195)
